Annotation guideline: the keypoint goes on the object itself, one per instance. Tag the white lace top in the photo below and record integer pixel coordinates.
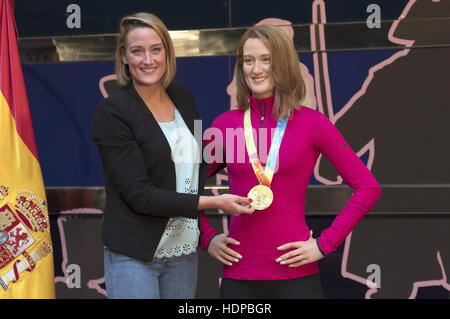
(181, 233)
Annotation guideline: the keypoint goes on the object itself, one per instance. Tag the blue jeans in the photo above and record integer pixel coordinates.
(163, 278)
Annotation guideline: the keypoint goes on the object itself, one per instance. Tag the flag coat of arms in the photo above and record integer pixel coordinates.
(26, 258)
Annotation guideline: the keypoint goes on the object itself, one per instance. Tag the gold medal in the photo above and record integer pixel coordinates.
(262, 197)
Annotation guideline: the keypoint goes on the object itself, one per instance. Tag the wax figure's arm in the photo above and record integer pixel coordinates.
(330, 142)
(216, 163)
(217, 245)
(355, 174)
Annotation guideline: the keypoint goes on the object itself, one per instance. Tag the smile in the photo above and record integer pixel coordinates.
(259, 80)
(148, 70)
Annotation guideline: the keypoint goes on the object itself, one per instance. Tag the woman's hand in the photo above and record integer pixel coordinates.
(227, 203)
(304, 252)
(234, 204)
(218, 248)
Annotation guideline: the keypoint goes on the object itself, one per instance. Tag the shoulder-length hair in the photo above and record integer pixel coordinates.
(289, 87)
(144, 20)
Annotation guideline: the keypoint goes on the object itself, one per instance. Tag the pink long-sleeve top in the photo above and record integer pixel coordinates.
(308, 134)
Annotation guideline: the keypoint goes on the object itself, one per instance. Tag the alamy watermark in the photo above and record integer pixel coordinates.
(73, 279)
(73, 21)
(374, 279)
(374, 19)
(221, 147)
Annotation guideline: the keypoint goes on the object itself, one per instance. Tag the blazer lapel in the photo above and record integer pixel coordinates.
(182, 104)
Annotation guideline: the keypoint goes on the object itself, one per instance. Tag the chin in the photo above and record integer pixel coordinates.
(148, 82)
(261, 95)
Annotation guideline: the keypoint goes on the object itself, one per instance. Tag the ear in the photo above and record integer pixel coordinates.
(124, 58)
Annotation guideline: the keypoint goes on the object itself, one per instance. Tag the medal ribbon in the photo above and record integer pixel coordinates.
(264, 176)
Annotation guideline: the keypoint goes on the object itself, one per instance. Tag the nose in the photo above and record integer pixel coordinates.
(147, 58)
(257, 67)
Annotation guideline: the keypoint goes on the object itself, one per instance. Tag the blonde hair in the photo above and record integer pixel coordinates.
(144, 20)
(289, 87)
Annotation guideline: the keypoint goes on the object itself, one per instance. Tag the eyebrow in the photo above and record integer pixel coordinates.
(262, 55)
(152, 46)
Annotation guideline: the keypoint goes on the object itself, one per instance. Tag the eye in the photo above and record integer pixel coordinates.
(156, 50)
(266, 60)
(248, 60)
(136, 51)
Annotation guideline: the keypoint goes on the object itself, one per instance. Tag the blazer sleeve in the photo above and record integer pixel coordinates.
(355, 174)
(216, 163)
(124, 168)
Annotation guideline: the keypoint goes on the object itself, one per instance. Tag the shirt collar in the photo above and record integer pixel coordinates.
(262, 106)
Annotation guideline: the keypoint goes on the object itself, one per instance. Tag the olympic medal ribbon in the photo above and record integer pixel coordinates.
(261, 194)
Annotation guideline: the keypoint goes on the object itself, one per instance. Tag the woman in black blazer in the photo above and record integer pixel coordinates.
(150, 224)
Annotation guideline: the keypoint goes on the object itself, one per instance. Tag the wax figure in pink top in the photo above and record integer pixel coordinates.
(271, 253)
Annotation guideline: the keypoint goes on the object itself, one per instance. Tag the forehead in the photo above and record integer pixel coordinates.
(255, 47)
(143, 36)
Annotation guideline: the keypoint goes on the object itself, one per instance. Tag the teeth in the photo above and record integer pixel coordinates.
(258, 79)
(149, 70)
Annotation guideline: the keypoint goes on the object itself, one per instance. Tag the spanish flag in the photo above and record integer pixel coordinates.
(26, 258)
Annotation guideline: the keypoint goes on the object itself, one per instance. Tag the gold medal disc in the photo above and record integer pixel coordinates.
(262, 197)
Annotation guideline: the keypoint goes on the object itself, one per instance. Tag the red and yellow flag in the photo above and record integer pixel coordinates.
(26, 258)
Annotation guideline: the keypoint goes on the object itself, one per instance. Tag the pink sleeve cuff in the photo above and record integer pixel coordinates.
(206, 232)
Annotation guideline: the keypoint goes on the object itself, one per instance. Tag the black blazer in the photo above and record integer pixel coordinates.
(138, 171)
